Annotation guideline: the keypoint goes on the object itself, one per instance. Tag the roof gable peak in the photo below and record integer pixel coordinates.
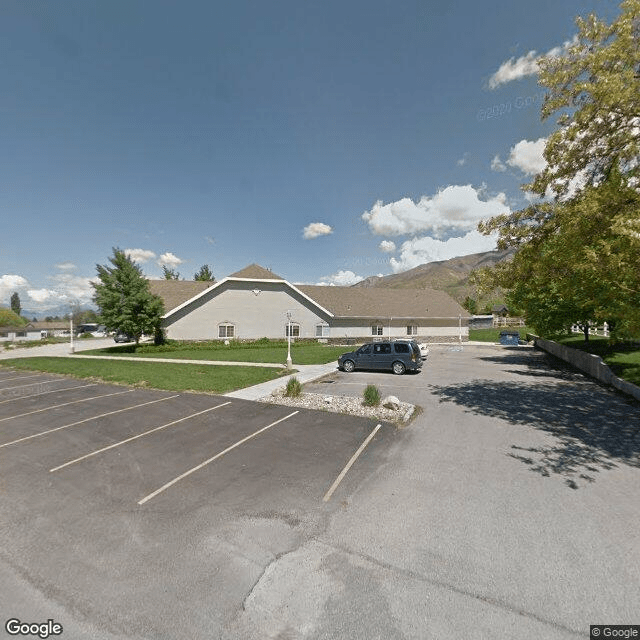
(255, 272)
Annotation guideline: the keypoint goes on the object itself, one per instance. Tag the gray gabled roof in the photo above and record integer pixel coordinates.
(387, 303)
(176, 292)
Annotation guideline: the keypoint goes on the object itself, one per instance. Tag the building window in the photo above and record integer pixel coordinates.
(295, 330)
(226, 331)
(322, 330)
(412, 330)
(376, 330)
(21, 334)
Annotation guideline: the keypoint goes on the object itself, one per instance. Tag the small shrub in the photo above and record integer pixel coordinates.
(294, 388)
(371, 396)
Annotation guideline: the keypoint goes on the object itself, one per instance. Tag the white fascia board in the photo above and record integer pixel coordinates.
(306, 297)
(217, 284)
(190, 300)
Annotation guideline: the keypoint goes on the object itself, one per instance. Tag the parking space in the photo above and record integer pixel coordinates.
(133, 445)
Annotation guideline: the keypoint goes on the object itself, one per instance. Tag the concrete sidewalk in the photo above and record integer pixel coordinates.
(304, 373)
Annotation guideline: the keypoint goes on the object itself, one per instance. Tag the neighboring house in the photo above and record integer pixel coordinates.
(254, 302)
(500, 310)
(28, 332)
(52, 329)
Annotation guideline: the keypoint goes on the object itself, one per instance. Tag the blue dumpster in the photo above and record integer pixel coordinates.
(509, 337)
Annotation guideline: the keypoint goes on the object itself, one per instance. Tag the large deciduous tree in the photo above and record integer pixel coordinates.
(594, 88)
(123, 297)
(577, 255)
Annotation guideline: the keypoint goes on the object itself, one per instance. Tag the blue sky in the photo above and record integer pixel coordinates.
(328, 141)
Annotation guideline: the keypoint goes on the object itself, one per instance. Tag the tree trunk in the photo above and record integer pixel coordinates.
(585, 328)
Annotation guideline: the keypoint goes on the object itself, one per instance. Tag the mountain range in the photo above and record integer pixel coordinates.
(450, 275)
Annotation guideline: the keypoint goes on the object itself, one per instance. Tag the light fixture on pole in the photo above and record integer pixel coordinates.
(289, 363)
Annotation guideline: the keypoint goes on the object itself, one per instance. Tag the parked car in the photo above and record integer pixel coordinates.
(424, 350)
(394, 355)
(121, 336)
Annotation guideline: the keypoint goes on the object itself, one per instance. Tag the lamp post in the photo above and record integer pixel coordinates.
(289, 363)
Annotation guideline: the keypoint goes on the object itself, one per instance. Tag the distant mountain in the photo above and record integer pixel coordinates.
(451, 276)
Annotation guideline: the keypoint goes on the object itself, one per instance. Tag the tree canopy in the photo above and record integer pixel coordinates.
(594, 88)
(577, 253)
(15, 303)
(169, 274)
(204, 274)
(123, 297)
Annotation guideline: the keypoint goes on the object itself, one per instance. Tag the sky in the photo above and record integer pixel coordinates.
(327, 141)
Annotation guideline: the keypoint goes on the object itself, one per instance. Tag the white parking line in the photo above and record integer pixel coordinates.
(206, 462)
(354, 457)
(31, 384)
(33, 375)
(65, 404)
(140, 435)
(44, 393)
(73, 424)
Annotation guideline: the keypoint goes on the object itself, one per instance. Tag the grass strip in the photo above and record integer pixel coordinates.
(493, 334)
(623, 358)
(171, 377)
(300, 354)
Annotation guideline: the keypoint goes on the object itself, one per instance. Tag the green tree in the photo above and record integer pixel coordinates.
(204, 274)
(576, 261)
(576, 257)
(123, 297)
(594, 87)
(169, 274)
(470, 305)
(15, 303)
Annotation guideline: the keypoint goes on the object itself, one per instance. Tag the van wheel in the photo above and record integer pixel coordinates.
(399, 368)
(348, 366)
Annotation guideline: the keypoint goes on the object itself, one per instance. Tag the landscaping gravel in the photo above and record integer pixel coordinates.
(342, 404)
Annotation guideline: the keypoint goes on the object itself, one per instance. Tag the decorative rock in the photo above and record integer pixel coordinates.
(391, 402)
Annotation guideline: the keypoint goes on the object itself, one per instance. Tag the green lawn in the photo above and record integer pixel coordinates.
(272, 351)
(622, 358)
(493, 335)
(173, 377)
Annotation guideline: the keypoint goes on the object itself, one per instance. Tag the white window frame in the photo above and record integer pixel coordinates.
(412, 330)
(377, 330)
(223, 328)
(295, 327)
(322, 330)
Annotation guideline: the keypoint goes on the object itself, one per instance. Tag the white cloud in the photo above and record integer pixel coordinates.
(169, 259)
(497, 164)
(341, 279)
(316, 229)
(387, 246)
(10, 284)
(528, 156)
(426, 249)
(456, 208)
(140, 255)
(73, 288)
(41, 295)
(462, 161)
(209, 240)
(527, 65)
(66, 266)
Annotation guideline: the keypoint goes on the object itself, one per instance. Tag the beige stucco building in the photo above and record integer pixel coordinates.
(255, 303)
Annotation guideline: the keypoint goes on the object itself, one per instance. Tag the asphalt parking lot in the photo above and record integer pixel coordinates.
(97, 476)
(507, 509)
